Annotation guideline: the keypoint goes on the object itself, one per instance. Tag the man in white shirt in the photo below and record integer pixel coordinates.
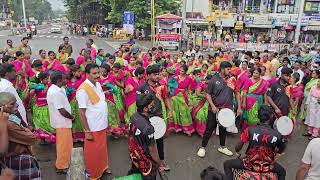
(190, 51)
(7, 74)
(61, 119)
(297, 68)
(93, 115)
(310, 166)
(197, 52)
(285, 63)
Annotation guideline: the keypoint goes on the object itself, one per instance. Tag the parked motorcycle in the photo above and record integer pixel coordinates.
(29, 34)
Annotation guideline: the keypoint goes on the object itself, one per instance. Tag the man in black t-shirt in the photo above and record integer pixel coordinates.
(277, 96)
(148, 87)
(264, 143)
(142, 148)
(220, 92)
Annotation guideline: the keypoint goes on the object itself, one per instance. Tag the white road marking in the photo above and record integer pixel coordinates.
(48, 36)
(55, 36)
(41, 36)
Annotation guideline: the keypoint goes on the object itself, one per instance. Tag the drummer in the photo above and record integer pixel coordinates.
(220, 93)
(264, 143)
(149, 87)
(142, 145)
(277, 97)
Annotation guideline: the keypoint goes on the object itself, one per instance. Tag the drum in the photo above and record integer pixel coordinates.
(284, 125)
(159, 125)
(226, 117)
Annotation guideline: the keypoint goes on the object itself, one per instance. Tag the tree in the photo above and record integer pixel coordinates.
(117, 9)
(141, 9)
(58, 13)
(87, 11)
(40, 10)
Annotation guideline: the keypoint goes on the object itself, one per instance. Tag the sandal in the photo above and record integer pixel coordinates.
(306, 134)
(108, 171)
(61, 171)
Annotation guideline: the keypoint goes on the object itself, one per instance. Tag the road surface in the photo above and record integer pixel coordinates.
(49, 41)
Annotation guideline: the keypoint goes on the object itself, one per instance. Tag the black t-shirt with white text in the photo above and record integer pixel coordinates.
(220, 92)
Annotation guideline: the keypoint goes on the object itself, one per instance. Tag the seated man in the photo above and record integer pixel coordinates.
(264, 143)
(18, 155)
(6, 174)
(211, 173)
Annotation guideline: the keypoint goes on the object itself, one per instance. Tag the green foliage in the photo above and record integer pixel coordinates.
(87, 11)
(39, 9)
(141, 9)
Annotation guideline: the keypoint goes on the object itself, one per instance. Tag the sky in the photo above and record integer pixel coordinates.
(57, 4)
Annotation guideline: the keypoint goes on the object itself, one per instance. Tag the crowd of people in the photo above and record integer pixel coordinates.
(83, 99)
(84, 30)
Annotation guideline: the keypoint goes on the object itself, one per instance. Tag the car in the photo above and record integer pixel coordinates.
(56, 29)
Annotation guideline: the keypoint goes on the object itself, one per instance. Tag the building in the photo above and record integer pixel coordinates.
(264, 20)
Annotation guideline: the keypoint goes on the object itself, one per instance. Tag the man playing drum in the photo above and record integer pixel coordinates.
(148, 87)
(220, 94)
(264, 143)
(142, 144)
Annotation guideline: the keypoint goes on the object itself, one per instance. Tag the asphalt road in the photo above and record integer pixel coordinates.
(180, 150)
(180, 155)
(48, 41)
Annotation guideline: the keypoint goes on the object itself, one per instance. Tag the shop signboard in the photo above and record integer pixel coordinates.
(168, 41)
(294, 20)
(228, 22)
(248, 20)
(239, 25)
(314, 23)
(312, 7)
(168, 37)
(171, 45)
(315, 17)
(313, 28)
(281, 19)
(260, 21)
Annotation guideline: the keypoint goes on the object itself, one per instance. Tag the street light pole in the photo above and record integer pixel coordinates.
(24, 14)
(152, 22)
(298, 27)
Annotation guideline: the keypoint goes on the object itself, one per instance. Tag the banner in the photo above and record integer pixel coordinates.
(171, 45)
(128, 21)
(168, 37)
